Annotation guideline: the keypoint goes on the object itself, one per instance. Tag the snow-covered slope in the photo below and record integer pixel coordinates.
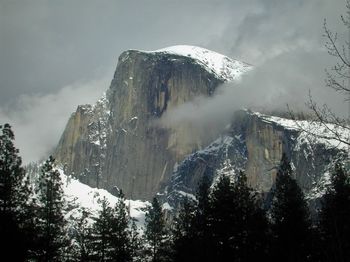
(222, 66)
(81, 196)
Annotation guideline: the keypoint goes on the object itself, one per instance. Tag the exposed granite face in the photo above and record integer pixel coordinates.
(265, 144)
(135, 154)
(118, 142)
(266, 141)
(255, 145)
(82, 147)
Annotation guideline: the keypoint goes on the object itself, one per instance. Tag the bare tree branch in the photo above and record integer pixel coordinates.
(331, 44)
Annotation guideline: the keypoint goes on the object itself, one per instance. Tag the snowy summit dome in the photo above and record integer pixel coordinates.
(222, 66)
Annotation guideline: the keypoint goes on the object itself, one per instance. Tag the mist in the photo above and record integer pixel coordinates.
(272, 86)
(38, 120)
(284, 42)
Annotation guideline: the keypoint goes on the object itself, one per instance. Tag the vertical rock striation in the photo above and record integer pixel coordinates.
(117, 142)
(255, 143)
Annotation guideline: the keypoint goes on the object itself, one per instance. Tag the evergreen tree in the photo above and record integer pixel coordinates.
(335, 216)
(291, 225)
(156, 233)
(15, 218)
(203, 206)
(121, 234)
(102, 231)
(135, 242)
(238, 224)
(51, 225)
(111, 233)
(201, 235)
(83, 237)
(250, 225)
(192, 235)
(222, 215)
(183, 232)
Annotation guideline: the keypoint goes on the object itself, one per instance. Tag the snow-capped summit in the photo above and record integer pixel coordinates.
(222, 66)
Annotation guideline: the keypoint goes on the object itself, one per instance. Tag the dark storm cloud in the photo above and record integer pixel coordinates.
(53, 51)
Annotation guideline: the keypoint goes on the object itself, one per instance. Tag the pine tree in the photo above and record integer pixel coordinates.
(200, 235)
(156, 233)
(136, 250)
(15, 218)
(250, 226)
(82, 235)
(192, 236)
(291, 223)
(120, 238)
(102, 231)
(335, 216)
(237, 222)
(183, 232)
(51, 224)
(222, 215)
(111, 234)
(202, 196)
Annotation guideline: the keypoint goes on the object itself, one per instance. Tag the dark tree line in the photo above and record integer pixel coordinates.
(226, 222)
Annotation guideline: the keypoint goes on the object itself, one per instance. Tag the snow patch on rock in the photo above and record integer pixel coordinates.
(223, 67)
(311, 131)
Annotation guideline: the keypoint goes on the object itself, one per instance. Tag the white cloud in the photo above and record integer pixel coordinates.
(270, 86)
(39, 120)
(283, 39)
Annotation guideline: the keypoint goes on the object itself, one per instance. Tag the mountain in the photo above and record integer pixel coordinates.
(119, 143)
(116, 142)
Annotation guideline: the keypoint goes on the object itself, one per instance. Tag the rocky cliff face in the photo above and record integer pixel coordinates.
(255, 143)
(117, 142)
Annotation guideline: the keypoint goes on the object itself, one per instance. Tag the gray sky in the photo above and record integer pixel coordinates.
(55, 55)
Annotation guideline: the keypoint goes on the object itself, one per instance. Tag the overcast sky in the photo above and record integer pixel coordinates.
(55, 55)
